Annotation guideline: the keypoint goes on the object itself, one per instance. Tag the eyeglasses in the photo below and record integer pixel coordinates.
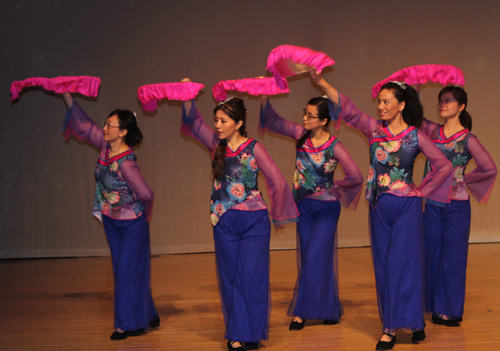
(308, 116)
(106, 124)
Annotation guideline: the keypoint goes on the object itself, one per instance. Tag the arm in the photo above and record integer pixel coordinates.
(437, 184)
(348, 189)
(133, 176)
(78, 124)
(348, 111)
(428, 127)
(481, 180)
(194, 125)
(283, 209)
(270, 120)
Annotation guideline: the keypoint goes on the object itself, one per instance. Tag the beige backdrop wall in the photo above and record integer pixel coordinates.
(47, 184)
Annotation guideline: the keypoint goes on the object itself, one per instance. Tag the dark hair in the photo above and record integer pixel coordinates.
(413, 113)
(235, 109)
(127, 121)
(321, 104)
(461, 96)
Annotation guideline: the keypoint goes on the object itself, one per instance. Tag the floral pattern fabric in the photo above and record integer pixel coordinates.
(238, 189)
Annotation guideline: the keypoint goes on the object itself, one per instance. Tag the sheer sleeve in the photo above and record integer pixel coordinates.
(437, 184)
(428, 127)
(348, 189)
(283, 209)
(193, 125)
(78, 124)
(133, 176)
(481, 180)
(269, 119)
(355, 118)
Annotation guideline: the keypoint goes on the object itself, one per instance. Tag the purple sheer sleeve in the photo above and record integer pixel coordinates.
(481, 180)
(78, 124)
(348, 189)
(355, 118)
(283, 209)
(133, 176)
(428, 127)
(437, 184)
(194, 125)
(271, 120)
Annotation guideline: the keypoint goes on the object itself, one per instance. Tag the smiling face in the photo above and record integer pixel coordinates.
(311, 121)
(448, 106)
(388, 106)
(112, 131)
(225, 126)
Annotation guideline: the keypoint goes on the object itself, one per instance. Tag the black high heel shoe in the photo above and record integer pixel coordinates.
(155, 323)
(119, 336)
(418, 335)
(231, 348)
(297, 325)
(446, 322)
(386, 345)
(330, 322)
(251, 345)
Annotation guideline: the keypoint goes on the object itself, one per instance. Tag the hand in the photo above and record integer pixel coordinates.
(277, 227)
(263, 100)
(185, 80)
(315, 76)
(68, 99)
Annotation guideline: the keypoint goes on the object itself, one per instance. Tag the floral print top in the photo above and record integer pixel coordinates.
(238, 189)
(121, 191)
(459, 149)
(392, 158)
(315, 166)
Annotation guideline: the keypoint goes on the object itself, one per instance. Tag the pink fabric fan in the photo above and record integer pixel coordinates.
(289, 60)
(252, 86)
(183, 91)
(85, 85)
(444, 74)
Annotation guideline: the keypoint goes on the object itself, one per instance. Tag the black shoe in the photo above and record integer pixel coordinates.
(136, 332)
(155, 323)
(252, 345)
(119, 336)
(386, 345)
(445, 322)
(296, 325)
(330, 322)
(418, 335)
(231, 348)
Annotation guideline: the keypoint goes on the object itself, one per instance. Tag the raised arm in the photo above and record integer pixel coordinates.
(348, 189)
(194, 125)
(437, 184)
(78, 124)
(283, 209)
(348, 111)
(269, 119)
(481, 180)
(133, 176)
(428, 127)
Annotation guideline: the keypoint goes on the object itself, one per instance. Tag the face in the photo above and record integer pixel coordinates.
(388, 106)
(448, 106)
(112, 131)
(225, 126)
(311, 121)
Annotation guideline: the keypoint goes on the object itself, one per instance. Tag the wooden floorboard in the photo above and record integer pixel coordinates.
(67, 304)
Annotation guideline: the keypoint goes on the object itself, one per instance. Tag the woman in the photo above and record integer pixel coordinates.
(240, 218)
(447, 226)
(123, 202)
(396, 211)
(318, 199)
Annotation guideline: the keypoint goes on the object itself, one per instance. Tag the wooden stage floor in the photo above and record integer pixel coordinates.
(67, 304)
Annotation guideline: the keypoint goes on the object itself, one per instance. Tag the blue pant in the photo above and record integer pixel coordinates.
(446, 247)
(316, 294)
(242, 255)
(398, 260)
(131, 254)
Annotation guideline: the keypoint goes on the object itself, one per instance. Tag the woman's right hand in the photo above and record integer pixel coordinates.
(185, 80)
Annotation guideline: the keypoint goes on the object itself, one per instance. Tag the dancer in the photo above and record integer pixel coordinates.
(123, 202)
(396, 228)
(318, 199)
(240, 218)
(447, 225)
